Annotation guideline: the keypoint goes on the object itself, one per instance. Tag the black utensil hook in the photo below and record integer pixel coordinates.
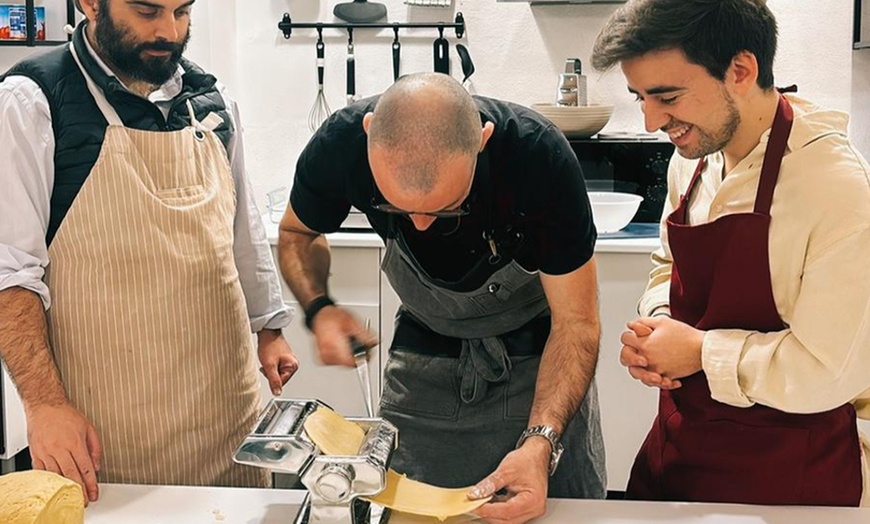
(287, 25)
(397, 51)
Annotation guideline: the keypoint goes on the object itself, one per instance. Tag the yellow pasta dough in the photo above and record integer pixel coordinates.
(335, 435)
(40, 497)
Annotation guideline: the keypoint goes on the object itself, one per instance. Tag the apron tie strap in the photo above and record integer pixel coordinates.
(481, 361)
(209, 123)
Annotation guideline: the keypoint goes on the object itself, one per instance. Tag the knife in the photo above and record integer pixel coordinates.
(360, 357)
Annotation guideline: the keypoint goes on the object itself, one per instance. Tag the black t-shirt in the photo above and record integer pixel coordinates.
(528, 195)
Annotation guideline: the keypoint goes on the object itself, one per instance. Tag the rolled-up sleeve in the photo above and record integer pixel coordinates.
(26, 178)
(822, 360)
(251, 250)
(656, 298)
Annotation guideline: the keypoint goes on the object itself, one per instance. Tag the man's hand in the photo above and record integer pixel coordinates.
(277, 361)
(63, 441)
(524, 474)
(659, 350)
(636, 364)
(333, 329)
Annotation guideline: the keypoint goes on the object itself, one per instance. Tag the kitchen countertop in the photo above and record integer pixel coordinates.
(605, 244)
(129, 504)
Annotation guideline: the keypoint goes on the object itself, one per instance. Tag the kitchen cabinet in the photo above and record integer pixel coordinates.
(627, 406)
(13, 425)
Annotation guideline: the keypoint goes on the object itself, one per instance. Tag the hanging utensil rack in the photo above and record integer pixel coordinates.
(287, 25)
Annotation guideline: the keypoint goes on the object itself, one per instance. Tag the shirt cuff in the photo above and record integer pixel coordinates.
(720, 357)
(275, 320)
(655, 300)
(30, 279)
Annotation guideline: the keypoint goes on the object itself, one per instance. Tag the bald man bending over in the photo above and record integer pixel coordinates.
(489, 241)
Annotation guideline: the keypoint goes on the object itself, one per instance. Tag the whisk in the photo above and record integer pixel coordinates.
(320, 111)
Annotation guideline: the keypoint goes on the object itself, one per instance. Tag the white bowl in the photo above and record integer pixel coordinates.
(576, 121)
(613, 211)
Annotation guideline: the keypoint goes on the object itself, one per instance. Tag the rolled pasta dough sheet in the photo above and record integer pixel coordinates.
(335, 435)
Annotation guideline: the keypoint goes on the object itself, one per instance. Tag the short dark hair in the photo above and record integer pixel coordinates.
(709, 32)
(424, 117)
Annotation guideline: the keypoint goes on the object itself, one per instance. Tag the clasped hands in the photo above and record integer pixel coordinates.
(658, 351)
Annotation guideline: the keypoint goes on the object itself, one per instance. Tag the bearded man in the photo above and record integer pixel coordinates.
(132, 350)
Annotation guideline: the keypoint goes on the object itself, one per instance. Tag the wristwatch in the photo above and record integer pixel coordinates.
(552, 437)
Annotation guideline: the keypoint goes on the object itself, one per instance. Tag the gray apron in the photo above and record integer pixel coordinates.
(459, 417)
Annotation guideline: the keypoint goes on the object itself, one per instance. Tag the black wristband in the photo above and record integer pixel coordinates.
(314, 308)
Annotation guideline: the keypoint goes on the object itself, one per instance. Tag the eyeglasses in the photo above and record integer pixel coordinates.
(379, 203)
(386, 207)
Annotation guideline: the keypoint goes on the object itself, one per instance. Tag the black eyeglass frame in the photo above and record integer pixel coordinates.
(385, 207)
(379, 203)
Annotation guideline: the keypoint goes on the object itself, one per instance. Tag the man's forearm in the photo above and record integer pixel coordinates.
(567, 368)
(25, 350)
(304, 261)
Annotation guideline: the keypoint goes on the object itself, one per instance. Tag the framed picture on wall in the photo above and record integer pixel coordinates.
(13, 22)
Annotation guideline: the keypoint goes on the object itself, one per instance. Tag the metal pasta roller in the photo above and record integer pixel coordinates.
(335, 483)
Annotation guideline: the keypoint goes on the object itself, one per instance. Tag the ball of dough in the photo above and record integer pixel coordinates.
(40, 497)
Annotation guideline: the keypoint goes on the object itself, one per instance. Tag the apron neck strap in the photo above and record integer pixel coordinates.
(685, 197)
(105, 107)
(776, 146)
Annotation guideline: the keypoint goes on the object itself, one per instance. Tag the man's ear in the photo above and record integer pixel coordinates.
(89, 8)
(743, 72)
(367, 121)
(486, 133)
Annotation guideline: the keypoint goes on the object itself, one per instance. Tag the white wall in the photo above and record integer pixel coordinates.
(518, 49)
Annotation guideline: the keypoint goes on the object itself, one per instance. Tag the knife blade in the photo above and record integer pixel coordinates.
(360, 357)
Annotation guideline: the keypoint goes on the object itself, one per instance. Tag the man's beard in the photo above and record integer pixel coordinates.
(709, 143)
(126, 56)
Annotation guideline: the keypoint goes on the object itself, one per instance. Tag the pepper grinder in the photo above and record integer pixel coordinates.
(572, 84)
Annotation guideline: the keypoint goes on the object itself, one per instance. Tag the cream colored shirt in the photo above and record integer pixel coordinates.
(819, 259)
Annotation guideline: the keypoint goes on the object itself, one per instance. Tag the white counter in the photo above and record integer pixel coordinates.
(124, 504)
(370, 239)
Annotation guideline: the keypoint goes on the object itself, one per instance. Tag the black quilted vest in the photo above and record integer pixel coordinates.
(79, 126)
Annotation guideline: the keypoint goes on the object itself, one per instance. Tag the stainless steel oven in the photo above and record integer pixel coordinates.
(628, 163)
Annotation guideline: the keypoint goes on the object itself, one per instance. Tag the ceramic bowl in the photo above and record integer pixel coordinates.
(613, 211)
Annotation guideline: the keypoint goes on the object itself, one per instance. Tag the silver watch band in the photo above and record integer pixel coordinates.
(552, 437)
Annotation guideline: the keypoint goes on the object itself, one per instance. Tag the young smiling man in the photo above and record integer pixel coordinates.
(124, 170)
(754, 321)
(489, 243)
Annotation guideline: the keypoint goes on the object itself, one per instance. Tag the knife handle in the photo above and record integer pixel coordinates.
(357, 347)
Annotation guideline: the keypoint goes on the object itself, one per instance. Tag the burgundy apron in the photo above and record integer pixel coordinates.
(702, 450)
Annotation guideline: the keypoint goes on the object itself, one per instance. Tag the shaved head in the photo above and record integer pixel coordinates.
(421, 121)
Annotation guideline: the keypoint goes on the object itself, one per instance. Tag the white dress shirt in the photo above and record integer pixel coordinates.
(27, 146)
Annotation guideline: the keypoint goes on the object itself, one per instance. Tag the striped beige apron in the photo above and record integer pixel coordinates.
(149, 325)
